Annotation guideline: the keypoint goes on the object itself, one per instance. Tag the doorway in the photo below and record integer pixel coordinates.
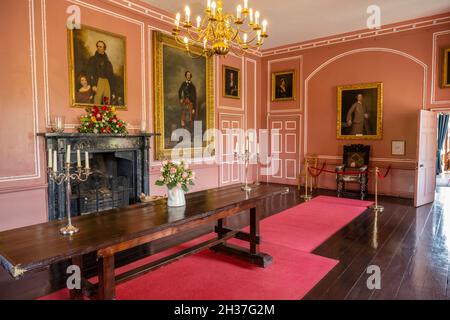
(443, 167)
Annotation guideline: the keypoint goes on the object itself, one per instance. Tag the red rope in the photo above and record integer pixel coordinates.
(385, 175)
(339, 172)
(315, 175)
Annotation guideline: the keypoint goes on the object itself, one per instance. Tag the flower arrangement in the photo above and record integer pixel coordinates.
(102, 120)
(176, 175)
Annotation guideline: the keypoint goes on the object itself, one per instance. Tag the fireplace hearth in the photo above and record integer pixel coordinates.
(120, 172)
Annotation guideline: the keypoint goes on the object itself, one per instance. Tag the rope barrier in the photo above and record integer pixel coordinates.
(322, 169)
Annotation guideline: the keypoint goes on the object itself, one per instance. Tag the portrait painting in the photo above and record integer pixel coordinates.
(97, 63)
(184, 97)
(360, 111)
(283, 86)
(446, 69)
(231, 82)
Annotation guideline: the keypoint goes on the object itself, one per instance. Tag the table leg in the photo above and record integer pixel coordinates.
(254, 230)
(106, 278)
(77, 294)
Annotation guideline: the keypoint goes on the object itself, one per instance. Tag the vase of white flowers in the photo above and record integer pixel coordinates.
(177, 177)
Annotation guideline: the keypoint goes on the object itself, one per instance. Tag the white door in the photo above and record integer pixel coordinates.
(425, 186)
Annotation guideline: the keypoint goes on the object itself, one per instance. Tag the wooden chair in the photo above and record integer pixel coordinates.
(356, 160)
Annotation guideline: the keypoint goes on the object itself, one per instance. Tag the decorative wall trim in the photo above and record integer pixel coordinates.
(299, 80)
(110, 13)
(255, 74)
(356, 36)
(326, 63)
(433, 69)
(34, 102)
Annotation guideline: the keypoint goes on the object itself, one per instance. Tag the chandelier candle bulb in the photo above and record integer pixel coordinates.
(264, 24)
(78, 158)
(250, 15)
(239, 12)
(257, 17)
(188, 14)
(245, 4)
(199, 21)
(213, 8)
(208, 7)
(177, 20)
(245, 38)
(50, 156)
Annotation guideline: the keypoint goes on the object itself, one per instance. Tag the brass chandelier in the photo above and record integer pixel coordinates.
(220, 32)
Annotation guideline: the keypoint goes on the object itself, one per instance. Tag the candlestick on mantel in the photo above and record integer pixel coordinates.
(55, 161)
(86, 159)
(50, 157)
(68, 154)
(78, 158)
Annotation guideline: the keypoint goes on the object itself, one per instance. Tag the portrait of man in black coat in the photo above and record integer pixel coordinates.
(187, 95)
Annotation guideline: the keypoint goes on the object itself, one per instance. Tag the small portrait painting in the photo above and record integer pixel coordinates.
(446, 69)
(360, 111)
(231, 82)
(283, 86)
(97, 61)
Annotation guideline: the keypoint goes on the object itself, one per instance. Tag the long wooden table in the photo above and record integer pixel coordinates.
(36, 247)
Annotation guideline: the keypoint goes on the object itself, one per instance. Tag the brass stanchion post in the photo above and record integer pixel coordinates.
(306, 196)
(376, 207)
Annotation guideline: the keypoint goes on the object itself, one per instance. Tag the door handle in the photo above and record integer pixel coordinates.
(421, 166)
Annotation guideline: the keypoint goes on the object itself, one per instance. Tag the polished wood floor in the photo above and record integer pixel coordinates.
(411, 247)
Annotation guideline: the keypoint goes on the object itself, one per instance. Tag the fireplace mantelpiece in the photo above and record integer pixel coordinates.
(133, 146)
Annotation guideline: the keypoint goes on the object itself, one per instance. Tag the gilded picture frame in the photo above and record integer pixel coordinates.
(229, 90)
(172, 68)
(83, 49)
(360, 111)
(446, 69)
(283, 86)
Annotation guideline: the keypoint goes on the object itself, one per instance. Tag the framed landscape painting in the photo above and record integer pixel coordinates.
(97, 68)
(360, 111)
(283, 86)
(184, 98)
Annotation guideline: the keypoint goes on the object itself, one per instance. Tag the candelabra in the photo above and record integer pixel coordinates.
(246, 158)
(66, 176)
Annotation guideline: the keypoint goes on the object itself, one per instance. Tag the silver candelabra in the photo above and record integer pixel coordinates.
(65, 176)
(246, 158)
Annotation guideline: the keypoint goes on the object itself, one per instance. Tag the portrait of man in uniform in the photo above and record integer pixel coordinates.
(231, 82)
(188, 100)
(360, 110)
(97, 68)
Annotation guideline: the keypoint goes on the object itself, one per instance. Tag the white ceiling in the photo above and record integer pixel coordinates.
(292, 21)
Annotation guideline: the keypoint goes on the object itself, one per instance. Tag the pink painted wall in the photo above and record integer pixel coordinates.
(403, 61)
(34, 57)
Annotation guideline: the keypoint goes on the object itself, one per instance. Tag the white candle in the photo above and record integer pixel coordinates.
(68, 154)
(246, 143)
(55, 161)
(236, 148)
(199, 21)
(238, 12)
(245, 38)
(209, 4)
(86, 159)
(187, 10)
(257, 17)
(245, 4)
(264, 26)
(177, 19)
(213, 8)
(78, 158)
(250, 15)
(257, 148)
(50, 156)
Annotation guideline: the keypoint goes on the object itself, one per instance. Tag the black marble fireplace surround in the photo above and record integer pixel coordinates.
(120, 167)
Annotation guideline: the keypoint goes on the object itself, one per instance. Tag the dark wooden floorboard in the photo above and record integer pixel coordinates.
(410, 245)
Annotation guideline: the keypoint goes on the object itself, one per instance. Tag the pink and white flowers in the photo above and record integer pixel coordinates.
(176, 175)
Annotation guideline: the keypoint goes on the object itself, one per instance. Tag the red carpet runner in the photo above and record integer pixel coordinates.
(289, 237)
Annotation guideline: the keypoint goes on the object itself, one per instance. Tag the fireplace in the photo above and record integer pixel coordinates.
(120, 172)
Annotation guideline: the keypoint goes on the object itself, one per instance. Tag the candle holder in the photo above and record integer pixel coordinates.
(246, 158)
(80, 175)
